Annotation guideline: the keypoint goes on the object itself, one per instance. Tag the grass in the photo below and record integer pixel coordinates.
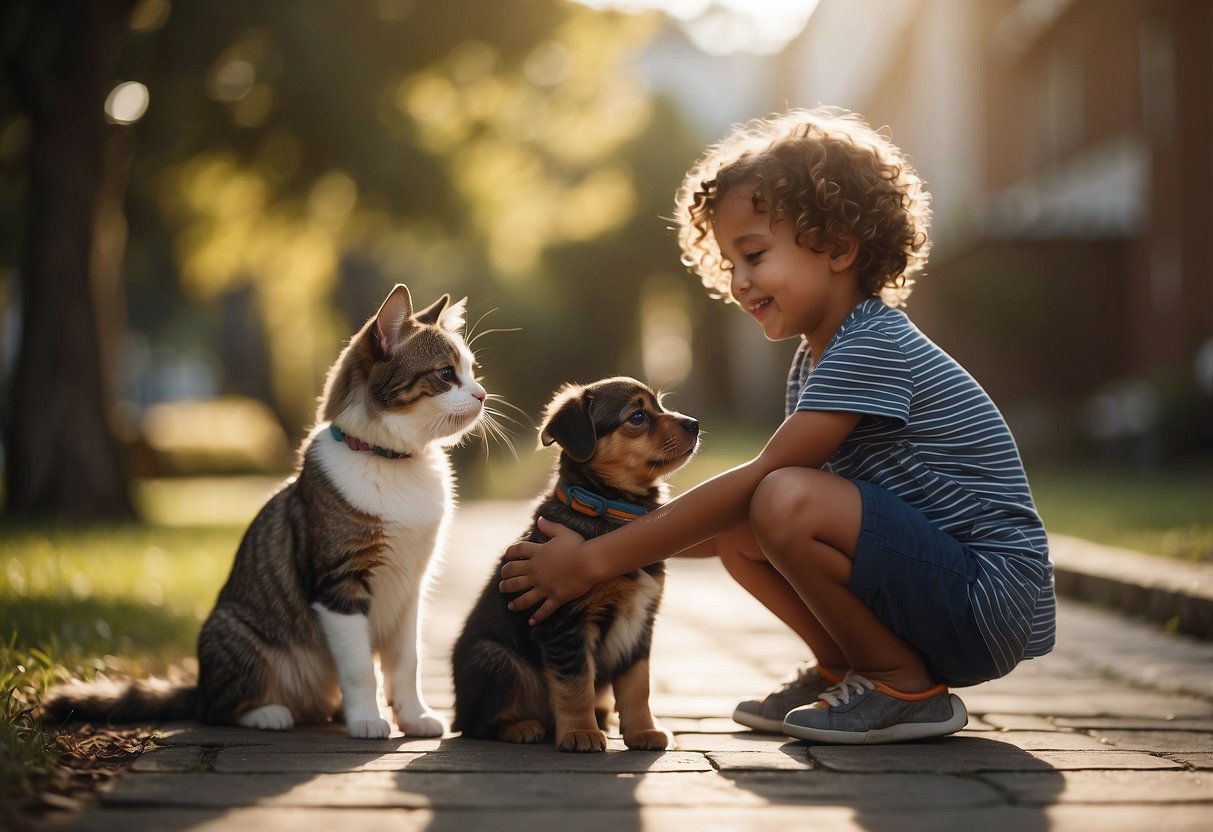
(75, 603)
(1167, 513)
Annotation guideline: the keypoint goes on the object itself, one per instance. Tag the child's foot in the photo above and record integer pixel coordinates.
(858, 711)
(804, 688)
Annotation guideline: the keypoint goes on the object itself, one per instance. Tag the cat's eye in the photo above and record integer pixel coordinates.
(446, 373)
(638, 418)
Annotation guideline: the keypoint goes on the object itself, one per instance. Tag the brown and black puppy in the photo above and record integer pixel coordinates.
(518, 683)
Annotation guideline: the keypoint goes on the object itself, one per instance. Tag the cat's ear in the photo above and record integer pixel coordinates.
(431, 313)
(568, 424)
(392, 319)
(452, 319)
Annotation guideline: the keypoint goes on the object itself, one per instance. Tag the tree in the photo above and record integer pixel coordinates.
(63, 460)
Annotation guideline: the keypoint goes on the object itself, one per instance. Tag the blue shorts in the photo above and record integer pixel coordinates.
(916, 579)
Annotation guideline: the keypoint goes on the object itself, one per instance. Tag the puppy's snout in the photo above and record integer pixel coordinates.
(690, 425)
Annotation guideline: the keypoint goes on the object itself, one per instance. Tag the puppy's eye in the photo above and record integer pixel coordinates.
(638, 418)
(446, 374)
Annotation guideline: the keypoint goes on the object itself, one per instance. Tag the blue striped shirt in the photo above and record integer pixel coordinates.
(931, 435)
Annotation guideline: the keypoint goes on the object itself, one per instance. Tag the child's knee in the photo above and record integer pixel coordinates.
(780, 505)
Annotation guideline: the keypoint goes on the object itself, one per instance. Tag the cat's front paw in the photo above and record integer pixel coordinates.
(369, 729)
(424, 724)
(268, 718)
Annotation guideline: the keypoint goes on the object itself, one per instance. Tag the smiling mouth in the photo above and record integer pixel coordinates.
(756, 308)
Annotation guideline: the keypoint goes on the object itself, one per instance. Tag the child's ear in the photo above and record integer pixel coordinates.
(844, 254)
(569, 425)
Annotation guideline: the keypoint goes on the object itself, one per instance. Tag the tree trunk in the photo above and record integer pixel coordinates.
(63, 458)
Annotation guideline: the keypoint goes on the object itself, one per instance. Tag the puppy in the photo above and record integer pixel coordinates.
(518, 683)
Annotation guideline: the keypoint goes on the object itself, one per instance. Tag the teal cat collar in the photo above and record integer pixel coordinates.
(356, 444)
(587, 502)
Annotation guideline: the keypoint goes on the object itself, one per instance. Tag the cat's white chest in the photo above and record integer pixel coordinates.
(412, 498)
(406, 494)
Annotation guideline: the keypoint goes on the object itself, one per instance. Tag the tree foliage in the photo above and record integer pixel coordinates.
(298, 158)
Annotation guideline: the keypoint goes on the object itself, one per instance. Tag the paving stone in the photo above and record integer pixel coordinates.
(310, 738)
(181, 758)
(1158, 740)
(739, 741)
(709, 725)
(819, 818)
(1041, 740)
(862, 792)
(1136, 723)
(1107, 788)
(963, 755)
(1107, 701)
(472, 757)
(1017, 722)
(1200, 760)
(759, 761)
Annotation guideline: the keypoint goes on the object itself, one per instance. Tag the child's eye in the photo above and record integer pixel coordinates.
(446, 373)
(753, 257)
(638, 418)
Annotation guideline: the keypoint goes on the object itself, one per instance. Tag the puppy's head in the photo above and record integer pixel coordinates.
(618, 432)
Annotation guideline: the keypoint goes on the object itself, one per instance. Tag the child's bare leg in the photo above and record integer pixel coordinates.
(738, 550)
(807, 523)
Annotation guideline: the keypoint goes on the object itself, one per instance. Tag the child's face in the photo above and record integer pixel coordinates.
(789, 289)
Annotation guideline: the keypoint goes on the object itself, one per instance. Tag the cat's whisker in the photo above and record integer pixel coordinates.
(474, 338)
(491, 430)
(496, 399)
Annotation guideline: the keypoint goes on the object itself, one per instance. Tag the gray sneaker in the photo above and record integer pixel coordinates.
(861, 712)
(767, 714)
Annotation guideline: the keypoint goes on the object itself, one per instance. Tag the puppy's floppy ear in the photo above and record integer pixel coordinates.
(568, 423)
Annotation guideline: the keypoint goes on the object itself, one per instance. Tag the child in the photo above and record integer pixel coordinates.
(888, 520)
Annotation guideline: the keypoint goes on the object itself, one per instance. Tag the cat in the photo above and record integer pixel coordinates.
(332, 569)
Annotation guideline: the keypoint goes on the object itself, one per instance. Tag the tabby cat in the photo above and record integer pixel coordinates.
(331, 572)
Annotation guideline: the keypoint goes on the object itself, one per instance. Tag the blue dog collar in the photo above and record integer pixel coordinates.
(587, 502)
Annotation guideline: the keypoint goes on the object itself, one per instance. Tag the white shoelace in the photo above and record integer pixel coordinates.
(799, 677)
(840, 694)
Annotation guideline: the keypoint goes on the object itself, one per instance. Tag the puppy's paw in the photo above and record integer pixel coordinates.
(268, 718)
(651, 739)
(528, 730)
(368, 729)
(424, 724)
(582, 741)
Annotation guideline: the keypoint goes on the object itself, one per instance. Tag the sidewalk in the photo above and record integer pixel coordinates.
(1113, 731)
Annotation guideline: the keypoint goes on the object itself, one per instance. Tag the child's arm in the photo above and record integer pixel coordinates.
(567, 566)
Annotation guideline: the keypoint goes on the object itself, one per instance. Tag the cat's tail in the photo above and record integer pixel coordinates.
(145, 700)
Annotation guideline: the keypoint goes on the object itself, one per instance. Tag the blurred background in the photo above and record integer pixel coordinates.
(199, 203)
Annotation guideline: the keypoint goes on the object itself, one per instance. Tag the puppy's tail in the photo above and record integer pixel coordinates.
(149, 700)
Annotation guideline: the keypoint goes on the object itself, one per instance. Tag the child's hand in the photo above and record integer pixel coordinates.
(552, 573)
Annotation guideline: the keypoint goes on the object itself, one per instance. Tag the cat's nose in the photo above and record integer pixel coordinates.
(480, 394)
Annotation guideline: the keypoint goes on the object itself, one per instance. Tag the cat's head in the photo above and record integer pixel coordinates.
(407, 378)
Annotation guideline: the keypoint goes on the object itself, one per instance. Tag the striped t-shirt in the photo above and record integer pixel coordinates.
(931, 435)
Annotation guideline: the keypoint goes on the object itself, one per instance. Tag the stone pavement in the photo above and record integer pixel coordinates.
(1113, 731)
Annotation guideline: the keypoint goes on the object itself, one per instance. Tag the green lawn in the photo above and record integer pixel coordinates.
(119, 601)
(1167, 513)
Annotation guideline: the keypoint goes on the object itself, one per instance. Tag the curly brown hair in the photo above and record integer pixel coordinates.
(830, 173)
